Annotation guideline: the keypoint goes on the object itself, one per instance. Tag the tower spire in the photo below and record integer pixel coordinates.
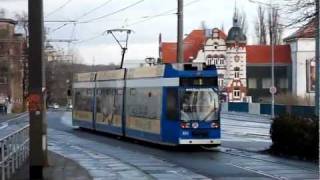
(235, 15)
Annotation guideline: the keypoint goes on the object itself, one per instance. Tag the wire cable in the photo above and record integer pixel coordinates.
(59, 8)
(113, 13)
(164, 13)
(94, 9)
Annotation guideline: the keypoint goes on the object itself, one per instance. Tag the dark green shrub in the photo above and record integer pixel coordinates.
(295, 136)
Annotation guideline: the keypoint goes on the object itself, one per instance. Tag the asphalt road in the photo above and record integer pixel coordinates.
(217, 163)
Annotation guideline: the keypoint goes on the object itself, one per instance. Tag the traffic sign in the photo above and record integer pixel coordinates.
(273, 90)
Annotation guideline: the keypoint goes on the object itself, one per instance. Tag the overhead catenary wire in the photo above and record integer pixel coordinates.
(94, 9)
(100, 17)
(112, 13)
(58, 9)
(164, 13)
(143, 19)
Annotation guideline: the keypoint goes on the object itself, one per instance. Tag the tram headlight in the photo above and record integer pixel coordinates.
(185, 125)
(195, 125)
(215, 125)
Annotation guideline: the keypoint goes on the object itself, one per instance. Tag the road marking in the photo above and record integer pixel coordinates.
(3, 125)
(258, 172)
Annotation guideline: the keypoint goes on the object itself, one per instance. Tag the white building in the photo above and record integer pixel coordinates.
(229, 56)
(302, 44)
(214, 52)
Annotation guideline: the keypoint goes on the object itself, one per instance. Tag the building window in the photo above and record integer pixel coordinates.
(311, 75)
(266, 83)
(236, 72)
(283, 83)
(236, 93)
(252, 83)
(221, 80)
(236, 58)
(222, 61)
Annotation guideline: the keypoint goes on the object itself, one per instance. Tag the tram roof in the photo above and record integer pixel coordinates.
(84, 77)
(110, 75)
(146, 72)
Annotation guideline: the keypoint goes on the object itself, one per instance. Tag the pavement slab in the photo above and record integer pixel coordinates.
(59, 168)
(117, 163)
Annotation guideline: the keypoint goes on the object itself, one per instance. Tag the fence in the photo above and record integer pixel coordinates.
(14, 150)
(257, 108)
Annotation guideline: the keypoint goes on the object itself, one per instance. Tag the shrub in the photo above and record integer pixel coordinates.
(295, 136)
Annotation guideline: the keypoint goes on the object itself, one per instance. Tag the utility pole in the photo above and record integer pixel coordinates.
(180, 51)
(272, 39)
(317, 100)
(36, 99)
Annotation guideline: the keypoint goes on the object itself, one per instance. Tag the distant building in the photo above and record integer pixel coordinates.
(259, 71)
(244, 70)
(12, 65)
(303, 46)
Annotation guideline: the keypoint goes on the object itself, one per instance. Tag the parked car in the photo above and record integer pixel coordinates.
(56, 106)
(69, 107)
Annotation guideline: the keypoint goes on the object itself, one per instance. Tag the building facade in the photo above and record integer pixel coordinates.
(12, 66)
(303, 46)
(245, 70)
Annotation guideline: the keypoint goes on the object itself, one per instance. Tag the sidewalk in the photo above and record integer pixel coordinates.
(60, 168)
(11, 116)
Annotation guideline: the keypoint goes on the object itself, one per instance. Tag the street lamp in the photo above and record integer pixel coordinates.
(272, 89)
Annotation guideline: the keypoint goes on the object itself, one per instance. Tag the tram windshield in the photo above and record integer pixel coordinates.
(201, 104)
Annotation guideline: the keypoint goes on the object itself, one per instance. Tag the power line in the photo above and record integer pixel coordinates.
(90, 39)
(59, 8)
(94, 9)
(59, 27)
(113, 13)
(164, 13)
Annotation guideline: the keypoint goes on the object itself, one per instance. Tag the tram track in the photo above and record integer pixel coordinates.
(254, 156)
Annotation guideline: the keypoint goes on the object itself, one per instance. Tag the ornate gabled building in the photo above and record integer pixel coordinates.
(236, 63)
(244, 70)
(227, 52)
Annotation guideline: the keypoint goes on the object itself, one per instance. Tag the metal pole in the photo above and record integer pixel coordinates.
(38, 145)
(272, 57)
(180, 58)
(122, 57)
(317, 100)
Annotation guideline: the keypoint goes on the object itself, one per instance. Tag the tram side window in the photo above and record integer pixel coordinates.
(83, 100)
(172, 105)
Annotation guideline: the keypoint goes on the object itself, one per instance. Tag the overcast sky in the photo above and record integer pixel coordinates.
(147, 18)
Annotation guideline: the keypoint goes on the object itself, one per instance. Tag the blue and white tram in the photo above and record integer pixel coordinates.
(170, 104)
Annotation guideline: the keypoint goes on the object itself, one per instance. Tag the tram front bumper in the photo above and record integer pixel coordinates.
(200, 141)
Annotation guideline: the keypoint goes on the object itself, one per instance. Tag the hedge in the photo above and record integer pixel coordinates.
(295, 136)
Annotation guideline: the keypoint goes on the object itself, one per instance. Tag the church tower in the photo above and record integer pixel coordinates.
(236, 62)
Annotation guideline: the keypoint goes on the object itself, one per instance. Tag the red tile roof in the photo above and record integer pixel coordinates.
(307, 31)
(261, 54)
(192, 44)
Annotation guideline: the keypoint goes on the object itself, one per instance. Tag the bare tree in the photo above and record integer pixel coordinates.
(275, 28)
(2, 13)
(261, 27)
(242, 18)
(22, 19)
(299, 12)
